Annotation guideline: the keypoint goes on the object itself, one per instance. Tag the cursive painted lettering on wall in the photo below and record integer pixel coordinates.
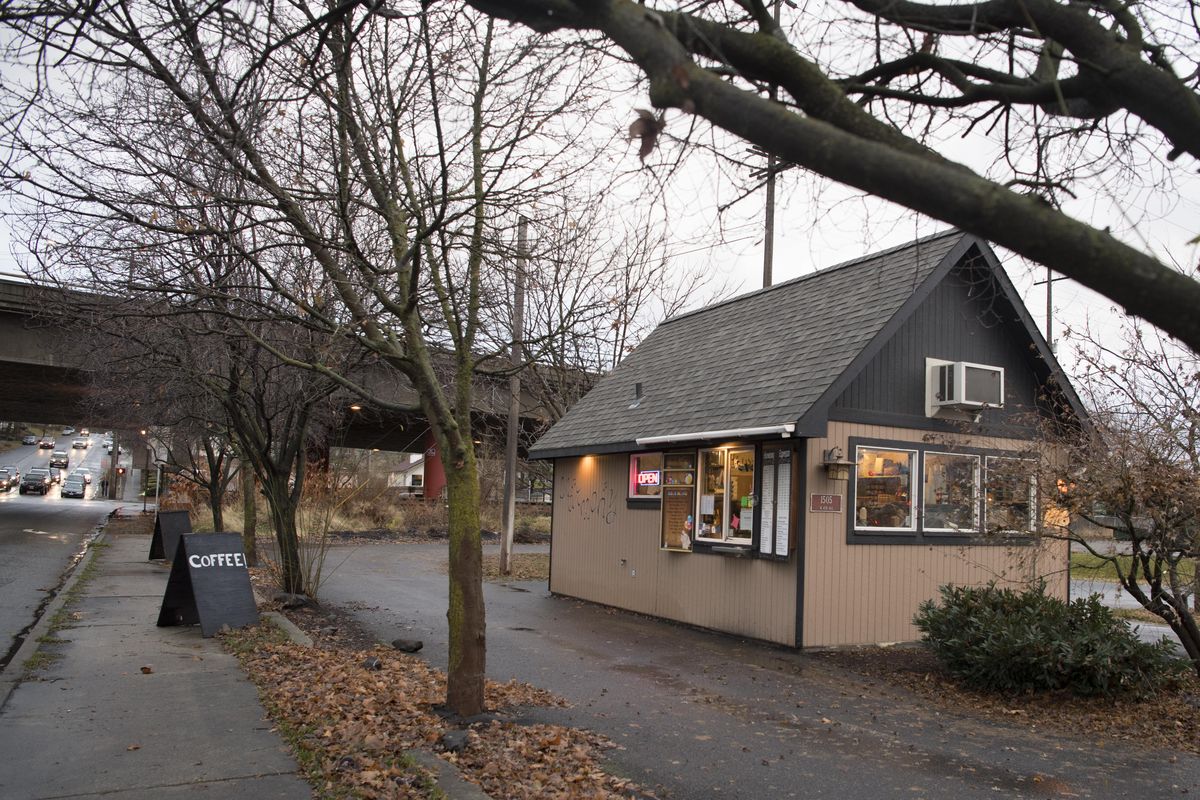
(589, 504)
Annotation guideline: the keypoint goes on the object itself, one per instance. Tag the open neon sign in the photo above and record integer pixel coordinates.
(648, 477)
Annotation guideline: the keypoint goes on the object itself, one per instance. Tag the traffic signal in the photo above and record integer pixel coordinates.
(120, 470)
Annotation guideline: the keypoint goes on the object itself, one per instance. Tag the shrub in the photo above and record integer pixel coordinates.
(1006, 641)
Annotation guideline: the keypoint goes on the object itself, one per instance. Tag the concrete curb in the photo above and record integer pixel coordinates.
(447, 777)
(287, 626)
(14, 672)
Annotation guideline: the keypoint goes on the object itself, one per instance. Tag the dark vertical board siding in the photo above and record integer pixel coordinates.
(964, 319)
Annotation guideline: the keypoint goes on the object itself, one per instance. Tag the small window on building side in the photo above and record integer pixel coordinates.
(1011, 499)
(883, 490)
(645, 475)
(950, 493)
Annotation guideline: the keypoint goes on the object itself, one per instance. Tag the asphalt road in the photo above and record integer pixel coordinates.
(703, 715)
(39, 537)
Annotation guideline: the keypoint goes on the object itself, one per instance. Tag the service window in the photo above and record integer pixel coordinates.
(950, 493)
(645, 475)
(1011, 499)
(883, 490)
(725, 510)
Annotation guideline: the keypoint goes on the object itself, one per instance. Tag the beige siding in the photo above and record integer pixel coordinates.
(868, 593)
(608, 553)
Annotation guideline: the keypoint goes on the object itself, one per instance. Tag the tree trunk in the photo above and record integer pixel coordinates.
(249, 515)
(216, 499)
(1196, 585)
(283, 516)
(465, 673)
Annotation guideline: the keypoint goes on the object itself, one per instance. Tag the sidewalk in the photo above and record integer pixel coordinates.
(93, 723)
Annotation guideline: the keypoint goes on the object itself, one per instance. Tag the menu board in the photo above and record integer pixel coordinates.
(783, 501)
(767, 502)
(677, 507)
(776, 504)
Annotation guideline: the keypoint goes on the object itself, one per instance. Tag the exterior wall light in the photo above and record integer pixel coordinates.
(837, 468)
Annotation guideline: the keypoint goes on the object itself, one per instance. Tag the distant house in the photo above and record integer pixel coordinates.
(806, 463)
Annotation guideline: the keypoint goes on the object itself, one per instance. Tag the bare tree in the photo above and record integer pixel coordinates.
(376, 161)
(1051, 94)
(1135, 473)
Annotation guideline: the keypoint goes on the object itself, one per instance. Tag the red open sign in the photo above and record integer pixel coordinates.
(648, 477)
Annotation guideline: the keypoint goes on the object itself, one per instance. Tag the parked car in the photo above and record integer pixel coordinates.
(79, 444)
(29, 438)
(14, 474)
(72, 487)
(59, 458)
(55, 474)
(46, 444)
(36, 480)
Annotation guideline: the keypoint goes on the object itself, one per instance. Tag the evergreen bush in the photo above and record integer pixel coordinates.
(1006, 641)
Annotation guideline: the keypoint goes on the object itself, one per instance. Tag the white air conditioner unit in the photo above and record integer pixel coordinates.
(962, 385)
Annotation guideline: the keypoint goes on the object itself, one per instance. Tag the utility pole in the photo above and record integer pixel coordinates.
(514, 401)
(769, 222)
(1050, 279)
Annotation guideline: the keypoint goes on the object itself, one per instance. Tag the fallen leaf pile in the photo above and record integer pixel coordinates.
(352, 725)
(525, 567)
(1170, 719)
(542, 750)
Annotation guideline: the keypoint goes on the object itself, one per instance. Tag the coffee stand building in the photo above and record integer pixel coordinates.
(807, 463)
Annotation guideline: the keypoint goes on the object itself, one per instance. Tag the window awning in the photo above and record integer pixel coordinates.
(785, 431)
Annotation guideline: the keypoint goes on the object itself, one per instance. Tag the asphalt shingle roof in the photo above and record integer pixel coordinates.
(757, 360)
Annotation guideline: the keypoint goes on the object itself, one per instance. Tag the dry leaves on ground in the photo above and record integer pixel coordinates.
(525, 567)
(352, 725)
(1168, 720)
(138, 524)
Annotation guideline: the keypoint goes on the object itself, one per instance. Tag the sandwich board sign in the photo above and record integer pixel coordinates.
(168, 527)
(209, 584)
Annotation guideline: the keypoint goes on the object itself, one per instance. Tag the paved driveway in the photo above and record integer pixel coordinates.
(701, 715)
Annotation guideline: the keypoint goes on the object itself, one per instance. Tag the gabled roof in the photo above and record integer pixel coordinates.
(764, 359)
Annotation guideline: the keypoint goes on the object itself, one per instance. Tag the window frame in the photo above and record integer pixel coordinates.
(920, 535)
(976, 506)
(914, 525)
(634, 469)
(1032, 499)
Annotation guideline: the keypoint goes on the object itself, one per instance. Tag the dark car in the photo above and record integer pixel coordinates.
(5, 480)
(29, 438)
(14, 474)
(55, 474)
(72, 487)
(59, 458)
(46, 444)
(36, 480)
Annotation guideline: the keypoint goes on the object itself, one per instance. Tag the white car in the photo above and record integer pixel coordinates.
(79, 444)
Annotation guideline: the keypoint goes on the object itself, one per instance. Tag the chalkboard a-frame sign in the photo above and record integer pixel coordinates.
(209, 584)
(168, 527)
